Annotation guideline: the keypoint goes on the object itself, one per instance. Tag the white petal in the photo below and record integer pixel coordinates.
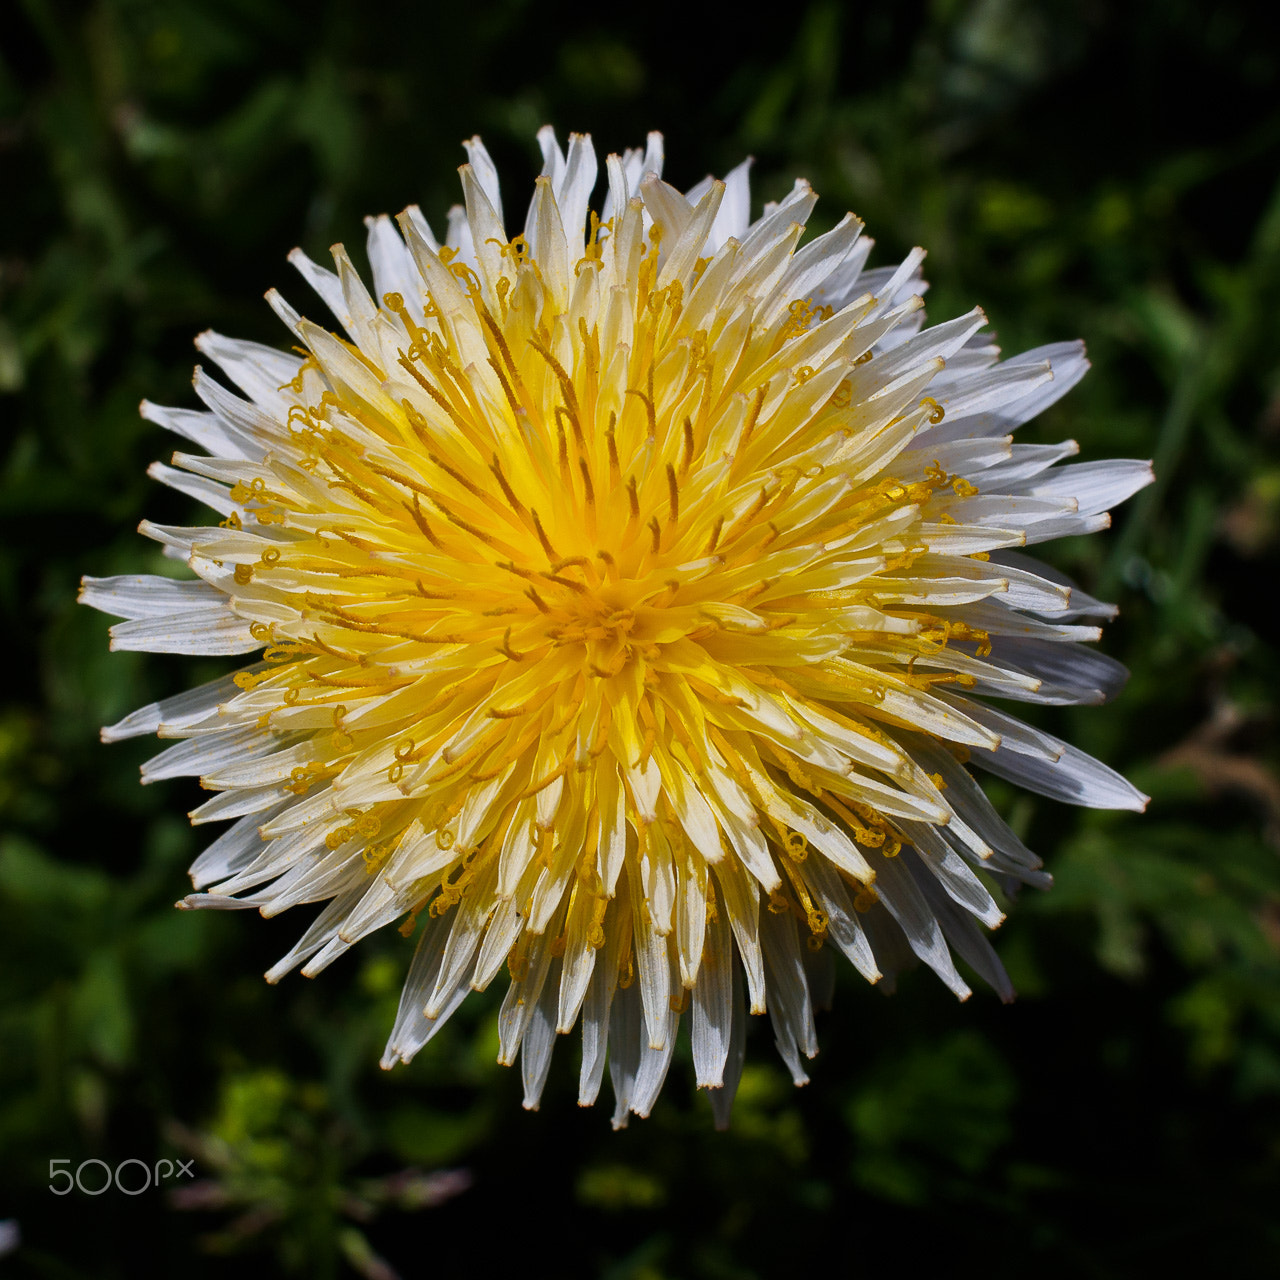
(734, 216)
(235, 848)
(138, 595)
(1074, 777)
(904, 901)
(722, 1099)
(552, 156)
(790, 1008)
(713, 1006)
(485, 171)
(412, 1028)
(967, 938)
(214, 495)
(573, 190)
(176, 712)
(626, 1047)
(204, 429)
(326, 284)
(204, 630)
(652, 1072)
(259, 371)
(539, 1040)
(596, 1009)
(1095, 486)
(393, 269)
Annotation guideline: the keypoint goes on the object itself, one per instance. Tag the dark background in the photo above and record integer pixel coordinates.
(1096, 170)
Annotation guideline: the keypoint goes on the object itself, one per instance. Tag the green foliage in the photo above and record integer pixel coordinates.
(1080, 171)
(940, 1114)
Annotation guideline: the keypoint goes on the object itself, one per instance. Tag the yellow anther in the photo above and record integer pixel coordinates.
(592, 249)
(529, 792)
(506, 650)
(513, 713)
(936, 411)
(470, 280)
(596, 934)
(801, 316)
(282, 653)
(610, 438)
(552, 554)
(865, 899)
(610, 564)
(649, 409)
(406, 929)
(374, 856)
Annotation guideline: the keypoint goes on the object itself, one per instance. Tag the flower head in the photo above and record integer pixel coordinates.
(629, 589)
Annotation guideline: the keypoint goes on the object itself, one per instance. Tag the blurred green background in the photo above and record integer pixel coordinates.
(1081, 169)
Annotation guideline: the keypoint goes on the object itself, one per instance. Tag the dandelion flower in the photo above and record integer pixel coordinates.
(629, 591)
